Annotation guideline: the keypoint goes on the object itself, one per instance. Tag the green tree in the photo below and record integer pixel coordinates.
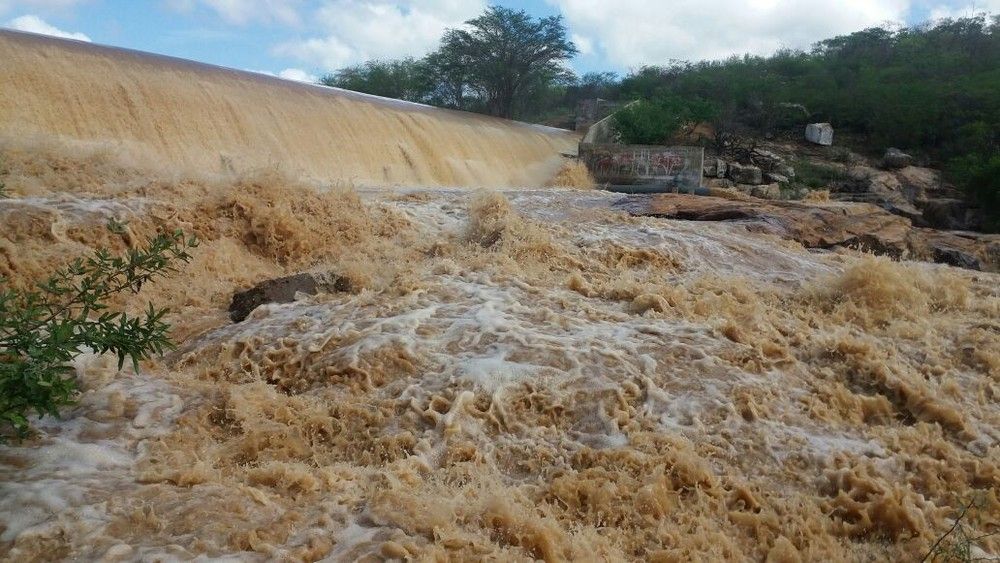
(404, 79)
(656, 121)
(510, 55)
(44, 328)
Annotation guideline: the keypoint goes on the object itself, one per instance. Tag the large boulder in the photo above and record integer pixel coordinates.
(820, 133)
(745, 174)
(894, 159)
(768, 160)
(864, 179)
(283, 290)
(768, 191)
(919, 183)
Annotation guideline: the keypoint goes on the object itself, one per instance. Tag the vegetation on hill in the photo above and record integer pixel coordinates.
(930, 89)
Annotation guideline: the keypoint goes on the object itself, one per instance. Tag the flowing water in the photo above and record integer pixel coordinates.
(511, 374)
(193, 116)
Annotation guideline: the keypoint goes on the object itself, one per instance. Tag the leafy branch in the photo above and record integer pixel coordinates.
(957, 543)
(44, 328)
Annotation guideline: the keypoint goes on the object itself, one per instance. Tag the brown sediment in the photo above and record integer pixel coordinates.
(573, 174)
(517, 376)
(162, 111)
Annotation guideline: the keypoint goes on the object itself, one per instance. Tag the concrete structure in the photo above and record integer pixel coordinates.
(663, 168)
(820, 133)
(191, 117)
(592, 110)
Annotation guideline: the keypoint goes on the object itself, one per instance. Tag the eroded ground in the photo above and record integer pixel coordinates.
(514, 376)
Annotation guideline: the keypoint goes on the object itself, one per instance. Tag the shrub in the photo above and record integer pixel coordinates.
(42, 329)
(979, 176)
(656, 121)
(817, 176)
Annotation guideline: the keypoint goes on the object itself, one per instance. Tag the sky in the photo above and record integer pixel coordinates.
(304, 39)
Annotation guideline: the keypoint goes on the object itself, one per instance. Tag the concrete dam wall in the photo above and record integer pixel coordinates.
(202, 117)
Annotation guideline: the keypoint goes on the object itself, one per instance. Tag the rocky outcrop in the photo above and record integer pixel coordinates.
(950, 213)
(745, 174)
(829, 225)
(283, 290)
(919, 183)
(894, 159)
(767, 191)
(715, 168)
(775, 178)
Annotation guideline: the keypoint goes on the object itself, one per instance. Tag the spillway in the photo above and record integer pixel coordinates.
(195, 116)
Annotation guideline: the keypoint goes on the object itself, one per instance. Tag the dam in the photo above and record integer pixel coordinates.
(195, 116)
(516, 373)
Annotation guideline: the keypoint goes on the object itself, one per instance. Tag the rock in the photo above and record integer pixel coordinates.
(785, 170)
(894, 159)
(944, 254)
(283, 290)
(820, 133)
(828, 225)
(774, 178)
(769, 191)
(715, 168)
(950, 214)
(768, 160)
(905, 209)
(719, 183)
(974, 251)
(918, 183)
(745, 174)
(864, 179)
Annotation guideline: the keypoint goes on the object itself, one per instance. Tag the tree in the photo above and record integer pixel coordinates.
(43, 329)
(403, 79)
(449, 72)
(509, 54)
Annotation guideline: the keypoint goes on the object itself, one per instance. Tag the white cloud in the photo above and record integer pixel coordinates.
(966, 10)
(298, 75)
(35, 24)
(355, 31)
(583, 44)
(241, 12)
(628, 33)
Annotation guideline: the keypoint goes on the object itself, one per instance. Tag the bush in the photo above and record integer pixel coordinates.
(44, 328)
(816, 176)
(979, 176)
(656, 121)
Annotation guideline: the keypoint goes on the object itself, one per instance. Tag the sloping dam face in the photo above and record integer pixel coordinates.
(201, 117)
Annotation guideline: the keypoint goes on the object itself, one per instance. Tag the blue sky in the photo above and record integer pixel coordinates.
(303, 39)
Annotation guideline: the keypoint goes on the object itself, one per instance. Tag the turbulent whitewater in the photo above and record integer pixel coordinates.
(510, 375)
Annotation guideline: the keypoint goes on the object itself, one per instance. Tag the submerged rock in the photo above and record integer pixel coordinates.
(283, 290)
